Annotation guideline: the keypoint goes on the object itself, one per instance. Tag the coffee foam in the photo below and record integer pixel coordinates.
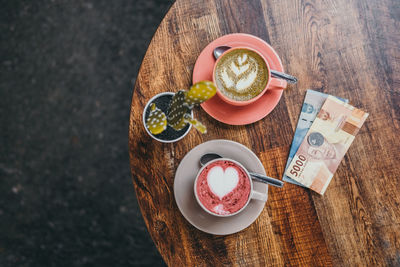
(241, 74)
(223, 187)
(222, 182)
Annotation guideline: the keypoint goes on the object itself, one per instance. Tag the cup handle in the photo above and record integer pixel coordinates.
(277, 84)
(259, 196)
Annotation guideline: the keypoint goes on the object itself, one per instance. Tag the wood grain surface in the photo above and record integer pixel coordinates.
(345, 48)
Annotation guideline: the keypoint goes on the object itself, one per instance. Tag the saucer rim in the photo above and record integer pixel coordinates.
(190, 220)
(253, 116)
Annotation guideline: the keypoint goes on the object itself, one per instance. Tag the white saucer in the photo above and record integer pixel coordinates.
(184, 182)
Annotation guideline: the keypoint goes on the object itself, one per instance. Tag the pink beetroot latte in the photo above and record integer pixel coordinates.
(223, 187)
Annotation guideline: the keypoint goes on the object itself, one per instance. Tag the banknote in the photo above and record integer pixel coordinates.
(325, 144)
(312, 103)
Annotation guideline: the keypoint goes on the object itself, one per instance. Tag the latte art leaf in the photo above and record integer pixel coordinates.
(237, 70)
(245, 82)
(242, 59)
(241, 74)
(226, 79)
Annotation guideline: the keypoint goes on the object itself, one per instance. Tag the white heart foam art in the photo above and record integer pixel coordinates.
(222, 182)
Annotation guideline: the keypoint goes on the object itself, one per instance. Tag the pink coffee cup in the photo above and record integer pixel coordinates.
(239, 193)
(272, 83)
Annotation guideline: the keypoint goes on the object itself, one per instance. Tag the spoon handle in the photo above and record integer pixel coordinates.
(285, 76)
(266, 179)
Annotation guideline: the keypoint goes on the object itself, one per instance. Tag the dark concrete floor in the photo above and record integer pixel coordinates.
(67, 70)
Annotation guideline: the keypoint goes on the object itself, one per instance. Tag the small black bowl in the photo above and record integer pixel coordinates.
(169, 135)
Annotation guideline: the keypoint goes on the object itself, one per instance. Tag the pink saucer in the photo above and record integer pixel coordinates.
(222, 111)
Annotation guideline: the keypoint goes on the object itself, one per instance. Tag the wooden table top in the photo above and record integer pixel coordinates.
(345, 48)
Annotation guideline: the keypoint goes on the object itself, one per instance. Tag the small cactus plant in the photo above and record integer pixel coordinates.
(157, 121)
(179, 111)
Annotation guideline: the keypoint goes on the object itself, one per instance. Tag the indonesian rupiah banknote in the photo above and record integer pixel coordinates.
(313, 102)
(325, 144)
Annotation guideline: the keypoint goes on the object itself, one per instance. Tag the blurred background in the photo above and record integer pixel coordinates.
(67, 70)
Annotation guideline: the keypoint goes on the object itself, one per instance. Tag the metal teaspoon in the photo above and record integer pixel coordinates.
(259, 177)
(218, 51)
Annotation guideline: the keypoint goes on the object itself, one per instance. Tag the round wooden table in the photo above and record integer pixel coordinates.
(345, 48)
